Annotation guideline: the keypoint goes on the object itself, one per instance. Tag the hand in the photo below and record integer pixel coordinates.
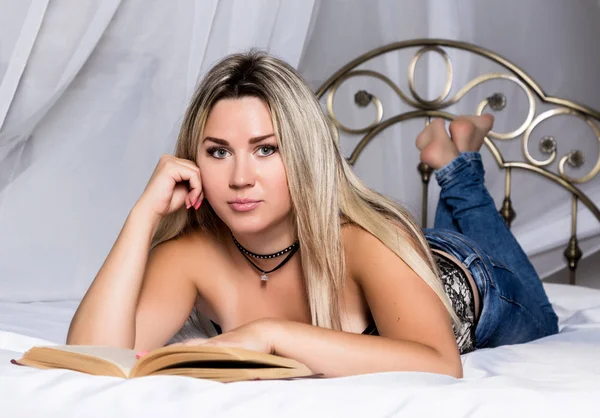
(174, 182)
(255, 336)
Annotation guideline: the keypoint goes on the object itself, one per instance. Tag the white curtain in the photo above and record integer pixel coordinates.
(554, 41)
(92, 93)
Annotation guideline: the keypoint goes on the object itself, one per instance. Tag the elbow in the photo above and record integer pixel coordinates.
(449, 364)
(447, 361)
(81, 333)
(451, 367)
(443, 362)
(454, 370)
(72, 334)
(76, 337)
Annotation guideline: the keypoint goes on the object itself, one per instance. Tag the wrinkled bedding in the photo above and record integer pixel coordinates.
(556, 376)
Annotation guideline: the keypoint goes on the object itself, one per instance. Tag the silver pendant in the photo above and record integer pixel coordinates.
(264, 278)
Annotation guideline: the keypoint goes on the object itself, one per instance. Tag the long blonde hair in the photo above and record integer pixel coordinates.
(323, 188)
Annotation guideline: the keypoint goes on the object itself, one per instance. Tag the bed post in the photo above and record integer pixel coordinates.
(573, 253)
(507, 211)
(425, 171)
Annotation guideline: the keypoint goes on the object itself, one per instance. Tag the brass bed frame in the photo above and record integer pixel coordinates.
(437, 108)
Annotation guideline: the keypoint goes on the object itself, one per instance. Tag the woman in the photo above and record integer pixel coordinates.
(259, 223)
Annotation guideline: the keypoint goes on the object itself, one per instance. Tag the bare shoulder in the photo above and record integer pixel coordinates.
(402, 304)
(362, 248)
(169, 290)
(353, 235)
(183, 255)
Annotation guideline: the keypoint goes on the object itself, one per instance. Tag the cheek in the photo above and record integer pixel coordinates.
(279, 186)
(214, 184)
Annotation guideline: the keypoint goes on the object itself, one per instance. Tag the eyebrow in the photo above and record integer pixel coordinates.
(251, 141)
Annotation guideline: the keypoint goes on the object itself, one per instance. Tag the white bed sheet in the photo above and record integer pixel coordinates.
(556, 376)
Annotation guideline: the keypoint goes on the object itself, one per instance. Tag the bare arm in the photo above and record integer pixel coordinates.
(106, 315)
(132, 290)
(338, 353)
(415, 328)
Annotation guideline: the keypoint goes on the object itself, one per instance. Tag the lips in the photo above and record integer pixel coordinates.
(244, 205)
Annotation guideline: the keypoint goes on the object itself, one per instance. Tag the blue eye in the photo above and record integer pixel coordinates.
(218, 153)
(267, 150)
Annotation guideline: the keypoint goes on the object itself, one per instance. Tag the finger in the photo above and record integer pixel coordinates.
(194, 194)
(141, 354)
(197, 194)
(180, 194)
(181, 173)
(194, 201)
(186, 163)
(195, 341)
(199, 201)
(195, 184)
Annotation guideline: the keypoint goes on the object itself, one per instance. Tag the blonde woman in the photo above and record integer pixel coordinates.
(258, 223)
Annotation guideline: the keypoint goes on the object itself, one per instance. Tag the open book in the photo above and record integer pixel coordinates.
(223, 364)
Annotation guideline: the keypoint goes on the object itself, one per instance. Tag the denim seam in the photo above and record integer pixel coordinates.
(464, 158)
(480, 257)
(539, 326)
(495, 263)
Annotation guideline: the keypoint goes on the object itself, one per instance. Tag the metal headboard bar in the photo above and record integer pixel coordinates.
(504, 164)
(434, 108)
(459, 45)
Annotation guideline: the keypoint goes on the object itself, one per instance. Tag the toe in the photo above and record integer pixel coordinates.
(483, 123)
(423, 139)
(438, 127)
(461, 130)
(435, 130)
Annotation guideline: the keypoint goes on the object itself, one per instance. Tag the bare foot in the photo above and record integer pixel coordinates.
(468, 132)
(437, 149)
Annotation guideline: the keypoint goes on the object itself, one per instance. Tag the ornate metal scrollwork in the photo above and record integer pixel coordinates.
(548, 145)
(497, 102)
(425, 108)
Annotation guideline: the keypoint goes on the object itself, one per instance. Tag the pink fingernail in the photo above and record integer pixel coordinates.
(199, 204)
(141, 354)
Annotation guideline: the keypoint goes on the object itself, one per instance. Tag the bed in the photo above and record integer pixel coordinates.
(553, 376)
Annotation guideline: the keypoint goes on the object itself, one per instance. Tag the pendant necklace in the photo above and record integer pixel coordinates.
(265, 273)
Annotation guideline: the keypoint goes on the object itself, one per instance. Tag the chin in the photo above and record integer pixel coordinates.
(247, 226)
(250, 223)
(242, 223)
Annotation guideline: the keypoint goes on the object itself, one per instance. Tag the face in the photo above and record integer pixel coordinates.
(242, 172)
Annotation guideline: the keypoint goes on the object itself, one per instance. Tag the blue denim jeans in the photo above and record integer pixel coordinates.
(515, 307)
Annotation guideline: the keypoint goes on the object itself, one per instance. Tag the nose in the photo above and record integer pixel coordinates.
(243, 173)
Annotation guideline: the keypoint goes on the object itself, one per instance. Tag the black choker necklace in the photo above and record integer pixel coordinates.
(264, 256)
(291, 250)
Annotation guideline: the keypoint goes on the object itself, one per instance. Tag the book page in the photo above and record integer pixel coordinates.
(201, 356)
(122, 357)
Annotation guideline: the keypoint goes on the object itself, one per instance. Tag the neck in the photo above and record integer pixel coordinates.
(267, 241)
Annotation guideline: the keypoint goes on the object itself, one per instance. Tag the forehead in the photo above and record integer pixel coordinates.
(239, 118)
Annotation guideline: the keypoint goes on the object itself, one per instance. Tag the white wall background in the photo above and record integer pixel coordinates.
(91, 94)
